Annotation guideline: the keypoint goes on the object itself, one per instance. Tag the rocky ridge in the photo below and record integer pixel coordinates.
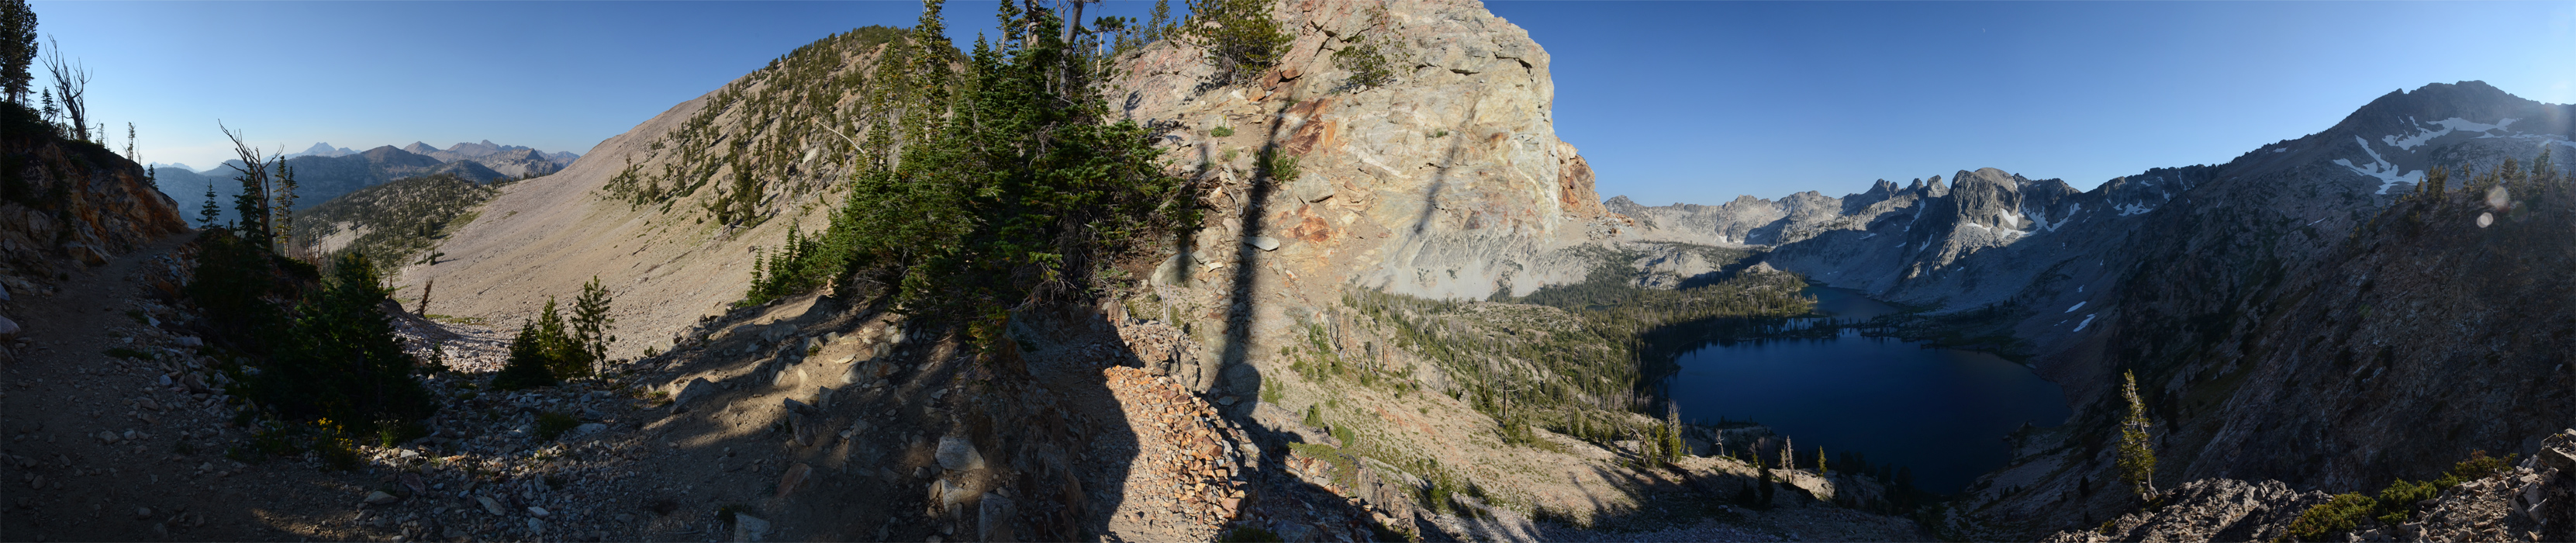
(2533, 501)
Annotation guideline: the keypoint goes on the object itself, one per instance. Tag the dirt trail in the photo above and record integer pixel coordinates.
(100, 447)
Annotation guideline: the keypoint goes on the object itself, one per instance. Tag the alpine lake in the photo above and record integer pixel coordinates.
(1942, 414)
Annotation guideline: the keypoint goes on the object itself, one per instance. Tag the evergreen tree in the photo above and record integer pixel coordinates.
(562, 354)
(1159, 25)
(1820, 463)
(527, 367)
(17, 49)
(590, 325)
(207, 214)
(2436, 180)
(282, 210)
(340, 359)
(1239, 35)
(250, 208)
(1016, 191)
(2137, 462)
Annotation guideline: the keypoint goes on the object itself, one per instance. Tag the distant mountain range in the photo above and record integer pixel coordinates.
(323, 172)
(2241, 295)
(323, 150)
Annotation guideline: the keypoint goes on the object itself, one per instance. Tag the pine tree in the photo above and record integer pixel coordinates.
(527, 365)
(1820, 463)
(209, 213)
(340, 359)
(1239, 35)
(2137, 462)
(562, 355)
(1160, 25)
(2542, 169)
(2436, 180)
(590, 325)
(283, 209)
(17, 49)
(251, 207)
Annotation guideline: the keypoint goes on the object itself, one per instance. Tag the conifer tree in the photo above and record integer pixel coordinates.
(17, 49)
(1160, 25)
(1239, 35)
(2137, 462)
(590, 325)
(2435, 182)
(340, 358)
(207, 214)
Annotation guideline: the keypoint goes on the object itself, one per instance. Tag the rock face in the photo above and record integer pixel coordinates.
(2535, 501)
(64, 205)
(2210, 510)
(1448, 182)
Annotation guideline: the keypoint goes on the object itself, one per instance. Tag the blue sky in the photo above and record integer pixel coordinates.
(1671, 101)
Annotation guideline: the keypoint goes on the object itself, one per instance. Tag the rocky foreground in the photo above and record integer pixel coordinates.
(2534, 501)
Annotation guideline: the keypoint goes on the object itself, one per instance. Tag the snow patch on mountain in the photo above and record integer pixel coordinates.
(2088, 321)
(2078, 305)
(2449, 125)
(2389, 175)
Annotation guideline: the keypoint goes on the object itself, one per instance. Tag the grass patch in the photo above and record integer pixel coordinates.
(451, 319)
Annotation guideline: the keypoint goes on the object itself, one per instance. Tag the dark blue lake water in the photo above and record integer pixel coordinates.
(1942, 412)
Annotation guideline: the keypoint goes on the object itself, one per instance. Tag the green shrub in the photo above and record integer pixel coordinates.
(1363, 56)
(2396, 503)
(1281, 168)
(551, 425)
(1221, 131)
(1240, 38)
(2398, 500)
(339, 360)
(2334, 516)
(531, 361)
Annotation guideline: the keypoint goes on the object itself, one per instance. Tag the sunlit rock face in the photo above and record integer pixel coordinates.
(1448, 182)
(72, 205)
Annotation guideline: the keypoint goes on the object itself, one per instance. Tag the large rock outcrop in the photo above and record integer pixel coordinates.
(1448, 182)
(69, 204)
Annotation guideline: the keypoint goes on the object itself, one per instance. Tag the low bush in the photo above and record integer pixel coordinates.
(551, 425)
(2395, 504)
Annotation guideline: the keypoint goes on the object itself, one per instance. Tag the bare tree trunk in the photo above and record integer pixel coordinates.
(71, 85)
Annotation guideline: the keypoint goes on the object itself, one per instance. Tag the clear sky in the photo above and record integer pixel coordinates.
(1701, 101)
(1671, 101)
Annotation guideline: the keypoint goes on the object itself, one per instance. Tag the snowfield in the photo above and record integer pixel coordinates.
(2454, 124)
(2388, 174)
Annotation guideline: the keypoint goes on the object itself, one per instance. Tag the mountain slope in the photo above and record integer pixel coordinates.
(548, 235)
(1447, 182)
(2179, 274)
